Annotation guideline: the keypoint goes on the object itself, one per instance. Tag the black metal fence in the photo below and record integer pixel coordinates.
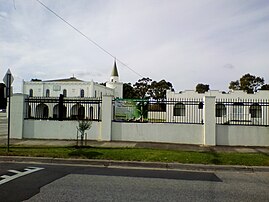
(63, 108)
(189, 111)
(242, 112)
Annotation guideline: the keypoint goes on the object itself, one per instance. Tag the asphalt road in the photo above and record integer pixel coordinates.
(44, 182)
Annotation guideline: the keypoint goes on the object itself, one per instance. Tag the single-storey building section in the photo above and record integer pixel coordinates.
(234, 107)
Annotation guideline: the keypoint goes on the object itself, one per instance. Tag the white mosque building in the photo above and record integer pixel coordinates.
(74, 88)
(82, 98)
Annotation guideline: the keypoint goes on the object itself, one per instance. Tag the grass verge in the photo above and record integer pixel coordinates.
(137, 154)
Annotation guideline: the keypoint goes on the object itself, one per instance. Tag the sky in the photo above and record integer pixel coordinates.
(185, 42)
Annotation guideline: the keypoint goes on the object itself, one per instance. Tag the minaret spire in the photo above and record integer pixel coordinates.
(115, 70)
(114, 82)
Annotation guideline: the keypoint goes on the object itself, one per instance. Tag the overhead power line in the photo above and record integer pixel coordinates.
(88, 38)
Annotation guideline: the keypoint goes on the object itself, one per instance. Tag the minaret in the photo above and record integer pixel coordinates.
(114, 74)
(115, 83)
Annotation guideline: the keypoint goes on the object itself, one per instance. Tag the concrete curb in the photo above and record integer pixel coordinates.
(137, 164)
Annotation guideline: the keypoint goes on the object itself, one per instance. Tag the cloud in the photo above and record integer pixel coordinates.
(3, 14)
(83, 73)
(228, 66)
(182, 41)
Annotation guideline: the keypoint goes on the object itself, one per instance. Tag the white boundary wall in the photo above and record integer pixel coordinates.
(201, 134)
(40, 129)
(148, 132)
(158, 132)
(242, 135)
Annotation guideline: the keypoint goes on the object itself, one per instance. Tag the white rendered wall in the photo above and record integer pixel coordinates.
(73, 89)
(209, 121)
(106, 118)
(117, 87)
(158, 132)
(242, 135)
(236, 94)
(40, 129)
(17, 114)
(149, 132)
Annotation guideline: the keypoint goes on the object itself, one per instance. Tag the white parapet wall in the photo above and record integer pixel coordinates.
(40, 129)
(242, 135)
(158, 132)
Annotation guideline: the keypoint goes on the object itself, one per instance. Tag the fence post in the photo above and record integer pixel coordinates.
(17, 115)
(61, 107)
(209, 121)
(106, 125)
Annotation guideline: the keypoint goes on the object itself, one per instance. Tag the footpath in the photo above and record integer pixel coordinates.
(115, 144)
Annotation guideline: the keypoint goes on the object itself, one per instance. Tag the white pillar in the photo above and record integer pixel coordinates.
(106, 126)
(17, 114)
(209, 121)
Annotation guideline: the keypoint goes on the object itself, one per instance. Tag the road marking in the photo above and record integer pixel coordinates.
(27, 171)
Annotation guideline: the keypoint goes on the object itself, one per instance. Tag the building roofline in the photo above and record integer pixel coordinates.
(71, 79)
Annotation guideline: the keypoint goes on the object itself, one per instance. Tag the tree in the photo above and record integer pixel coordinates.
(141, 87)
(157, 90)
(103, 83)
(202, 88)
(265, 87)
(248, 83)
(234, 85)
(83, 125)
(145, 88)
(128, 91)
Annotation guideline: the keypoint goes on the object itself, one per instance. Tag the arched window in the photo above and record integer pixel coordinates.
(56, 112)
(29, 111)
(95, 93)
(91, 113)
(255, 110)
(65, 93)
(31, 93)
(78, 111)
(42, 111)
(47, 93)
(179, 109)
(81, 93)
(81, 112)
(220, 110)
